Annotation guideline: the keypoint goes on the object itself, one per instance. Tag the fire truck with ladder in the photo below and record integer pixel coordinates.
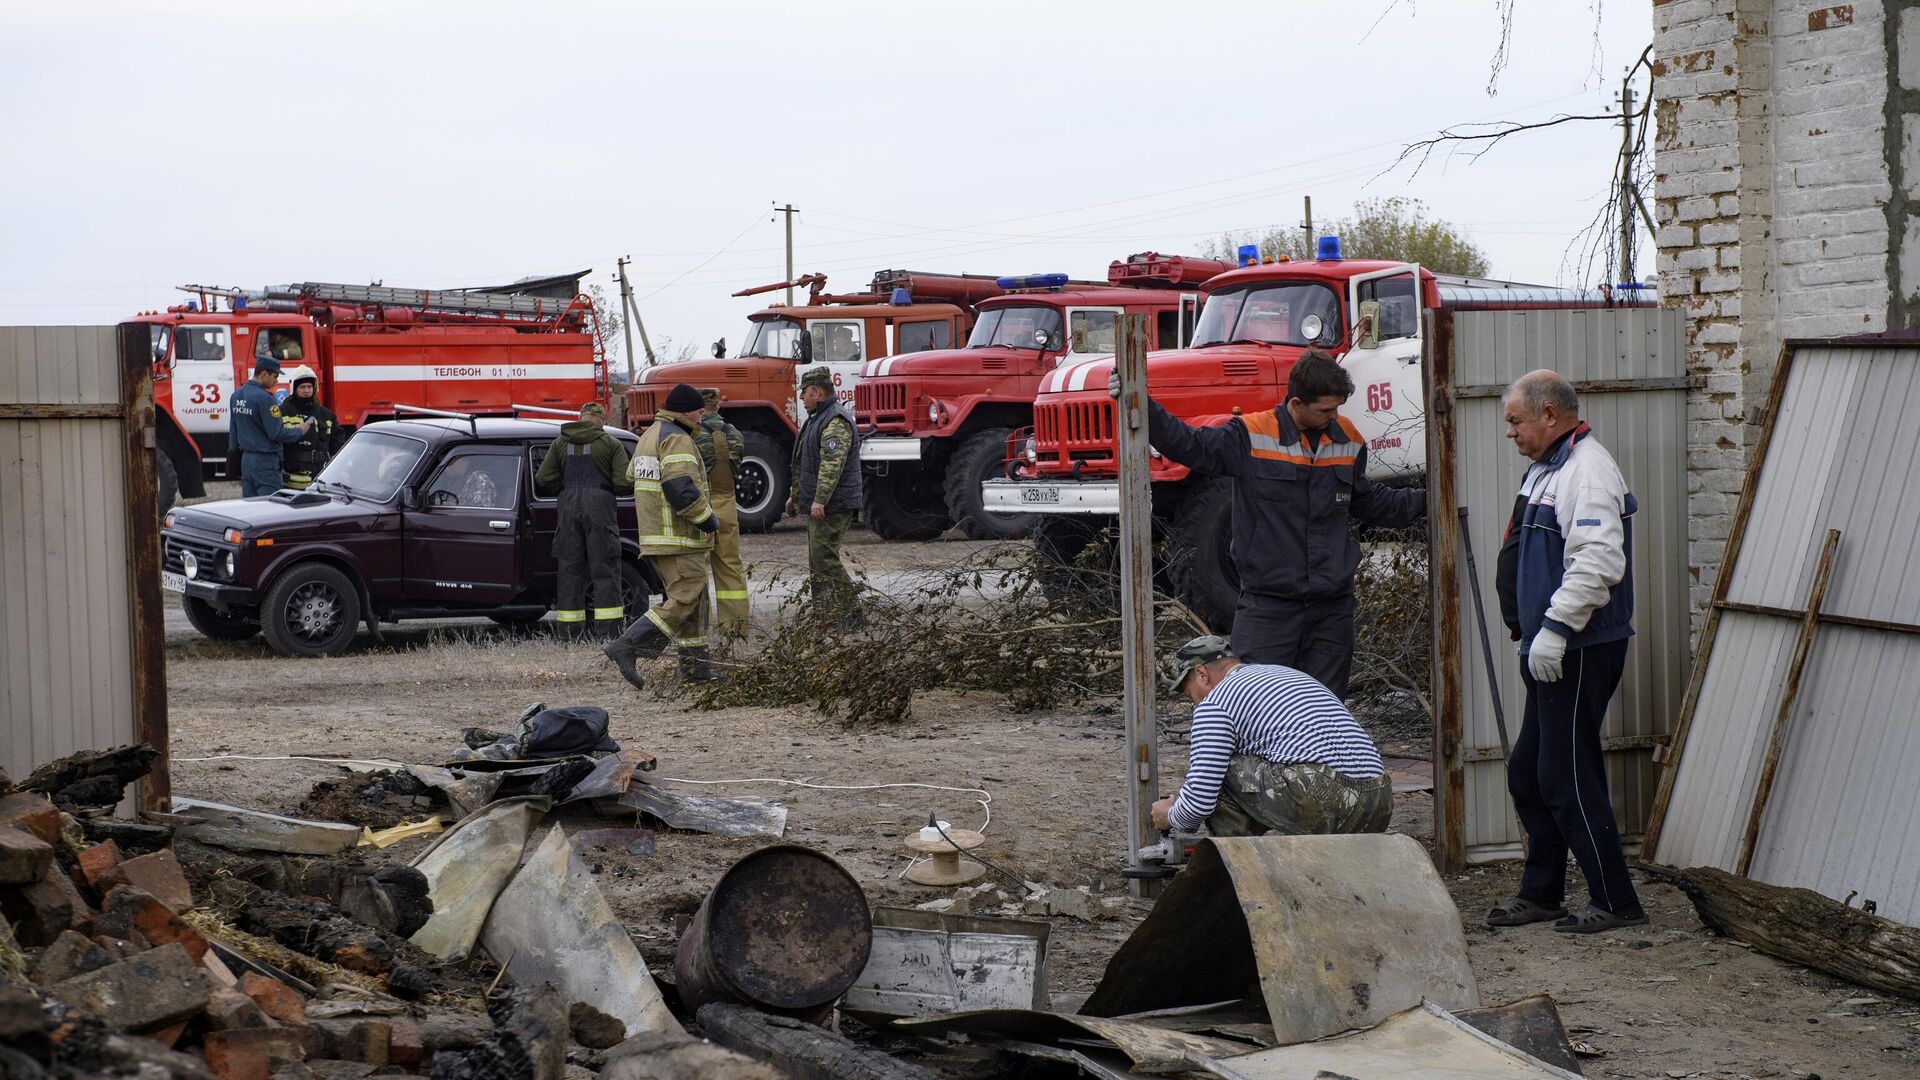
(1256, 321)
(370, 346)
(902, 311)
(935, 424)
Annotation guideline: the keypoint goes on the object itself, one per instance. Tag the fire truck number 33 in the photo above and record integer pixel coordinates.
(1379, 396)
(204, 393)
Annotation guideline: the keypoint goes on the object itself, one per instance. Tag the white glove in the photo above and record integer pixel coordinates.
(1545, 655)
(1113, 385)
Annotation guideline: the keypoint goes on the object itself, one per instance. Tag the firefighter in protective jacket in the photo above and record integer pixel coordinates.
(721, 448)
(587, 468)
(676, 531)
(304, 459)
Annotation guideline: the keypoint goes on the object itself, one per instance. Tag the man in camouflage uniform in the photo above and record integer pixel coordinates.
(676, 531)
(722, 447)
(826, 486)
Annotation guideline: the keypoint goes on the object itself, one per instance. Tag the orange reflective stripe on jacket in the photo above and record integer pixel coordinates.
(1263, 441)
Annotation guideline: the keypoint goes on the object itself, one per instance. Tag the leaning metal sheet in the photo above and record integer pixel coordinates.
(1841, 818)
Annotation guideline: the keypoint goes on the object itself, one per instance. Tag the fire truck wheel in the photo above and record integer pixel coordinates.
(1200, 559)
(900, 507)
(167, 480)
(760, 486)
(1059, 541)
(217, 624)
(312, 609)
(981, 458)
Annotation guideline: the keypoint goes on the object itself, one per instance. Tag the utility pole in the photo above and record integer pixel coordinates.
(1306, 226)
(788, 210)
(1628, 196)
(1136, 594)
(632, 321)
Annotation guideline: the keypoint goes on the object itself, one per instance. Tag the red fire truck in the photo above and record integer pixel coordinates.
(903, 311)
(934, 424)
(1256, 322)
(370, 347)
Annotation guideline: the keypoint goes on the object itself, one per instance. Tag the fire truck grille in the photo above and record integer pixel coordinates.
(644, 404)
(1074, 429)
(882, 404)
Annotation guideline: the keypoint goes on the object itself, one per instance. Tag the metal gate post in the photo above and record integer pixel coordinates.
(1136, 591)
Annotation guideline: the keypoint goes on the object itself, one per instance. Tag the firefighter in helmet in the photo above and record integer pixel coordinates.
(587, 468)
(304, 459)
(677, 527)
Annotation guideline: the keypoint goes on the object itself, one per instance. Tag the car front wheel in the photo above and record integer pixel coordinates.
(312, 610)
(217, 623)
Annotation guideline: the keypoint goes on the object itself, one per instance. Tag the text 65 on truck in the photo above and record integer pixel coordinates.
(370, 346)
(1256, 322)
(903, 311)
(935, 424)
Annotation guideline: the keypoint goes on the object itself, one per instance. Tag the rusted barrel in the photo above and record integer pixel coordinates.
(786, 930)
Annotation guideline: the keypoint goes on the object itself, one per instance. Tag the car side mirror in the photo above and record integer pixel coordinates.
(720, 349)
(1369, 332)
(803, 347)
(409, 498)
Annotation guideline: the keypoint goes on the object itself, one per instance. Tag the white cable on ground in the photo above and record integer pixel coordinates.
(377, 763)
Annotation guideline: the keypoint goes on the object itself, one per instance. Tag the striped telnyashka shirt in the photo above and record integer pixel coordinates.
(1274, 712)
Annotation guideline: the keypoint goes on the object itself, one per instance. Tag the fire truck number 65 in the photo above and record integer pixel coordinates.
(1379, 396)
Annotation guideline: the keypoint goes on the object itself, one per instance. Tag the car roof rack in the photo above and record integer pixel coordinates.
(570, 414)
(473, 424)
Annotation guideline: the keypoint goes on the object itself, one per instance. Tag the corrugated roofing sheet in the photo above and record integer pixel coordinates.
(1843, 454)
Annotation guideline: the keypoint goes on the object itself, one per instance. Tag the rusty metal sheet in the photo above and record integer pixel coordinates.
(611, 778)
(464, 793)
(1331, 932)
(467, 867)
(1531, 1024)
(929, 962)
(552, 925)
(708, 813)
(1151, 1049)
(1422, 1043)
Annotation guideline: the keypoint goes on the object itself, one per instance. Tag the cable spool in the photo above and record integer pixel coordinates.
(943, 868)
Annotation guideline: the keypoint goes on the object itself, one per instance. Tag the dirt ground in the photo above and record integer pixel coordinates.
(1669, 1000)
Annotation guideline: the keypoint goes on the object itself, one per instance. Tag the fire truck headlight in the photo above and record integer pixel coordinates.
(933, 413)
(1031, 451)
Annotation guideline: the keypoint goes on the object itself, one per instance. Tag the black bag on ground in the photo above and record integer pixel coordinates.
(566, 731)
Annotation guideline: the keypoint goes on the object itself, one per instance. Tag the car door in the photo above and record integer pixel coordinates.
(543, 517)
(1388, 404)
(463, 537)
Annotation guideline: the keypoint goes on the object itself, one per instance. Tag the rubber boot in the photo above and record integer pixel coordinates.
(604, 629)
(642, 640)
(570, 633)
(694, 665)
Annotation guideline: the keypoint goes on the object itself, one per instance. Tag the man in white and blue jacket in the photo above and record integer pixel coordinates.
(1566, 589)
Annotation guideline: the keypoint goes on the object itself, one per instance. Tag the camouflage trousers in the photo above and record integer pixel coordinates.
(1259, 796)
(827, 576)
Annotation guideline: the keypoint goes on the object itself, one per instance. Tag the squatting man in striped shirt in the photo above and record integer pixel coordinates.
(1272, 750)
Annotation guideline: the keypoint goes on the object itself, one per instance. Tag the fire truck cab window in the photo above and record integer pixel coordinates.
(476, 480)
(201, 343)
(1274, 314)
(1399, 311)
(1166, 330)
(1015, 327)
(282, 345)
(775, 338)
(1091, 332)
(160, 338)
(836, 342)
(921, 336)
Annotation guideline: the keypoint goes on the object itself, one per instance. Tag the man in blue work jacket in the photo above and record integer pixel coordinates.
(256, 432)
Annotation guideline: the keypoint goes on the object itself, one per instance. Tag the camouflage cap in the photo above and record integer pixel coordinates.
(818, 376)
(1201, 650)
(710, 395)
(593, 409)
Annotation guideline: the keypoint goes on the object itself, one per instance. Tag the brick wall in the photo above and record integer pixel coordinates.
(1775, 196)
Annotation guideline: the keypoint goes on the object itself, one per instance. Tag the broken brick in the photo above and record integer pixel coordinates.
(97, 860)
(24, 857)
(70, 954)
(275, 998)
(158, 874)
(594, 1029)
(168, 1035)
(148, 991)
(359, 958)
(228, 1010)
(405, 1047)
(41, 910)
(118, 948)
(129, 910)
(32, 813)
(251, 1053)
(370, 1041)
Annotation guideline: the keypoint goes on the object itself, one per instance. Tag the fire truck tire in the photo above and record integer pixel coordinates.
(1058, 543)
(760, 487)
(1200, 555)
(167, 481)
(312, 609)
(981, 458)
(900, 508)
(216, 624)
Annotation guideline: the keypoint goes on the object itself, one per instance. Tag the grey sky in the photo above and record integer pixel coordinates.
(436, 144)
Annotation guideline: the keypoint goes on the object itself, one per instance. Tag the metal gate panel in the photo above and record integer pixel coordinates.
(1841, 815)
(82, 665)
(1629, 366)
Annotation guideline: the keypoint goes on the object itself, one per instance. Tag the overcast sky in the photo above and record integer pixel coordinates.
(153, 144)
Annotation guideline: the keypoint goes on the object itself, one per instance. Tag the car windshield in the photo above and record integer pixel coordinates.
(1294, 313)
(778, 338)
(372, 465)
(1015, 327)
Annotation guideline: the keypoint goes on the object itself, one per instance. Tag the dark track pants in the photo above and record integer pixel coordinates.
(587, 547)
(1558, 780)
(1314, 636)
